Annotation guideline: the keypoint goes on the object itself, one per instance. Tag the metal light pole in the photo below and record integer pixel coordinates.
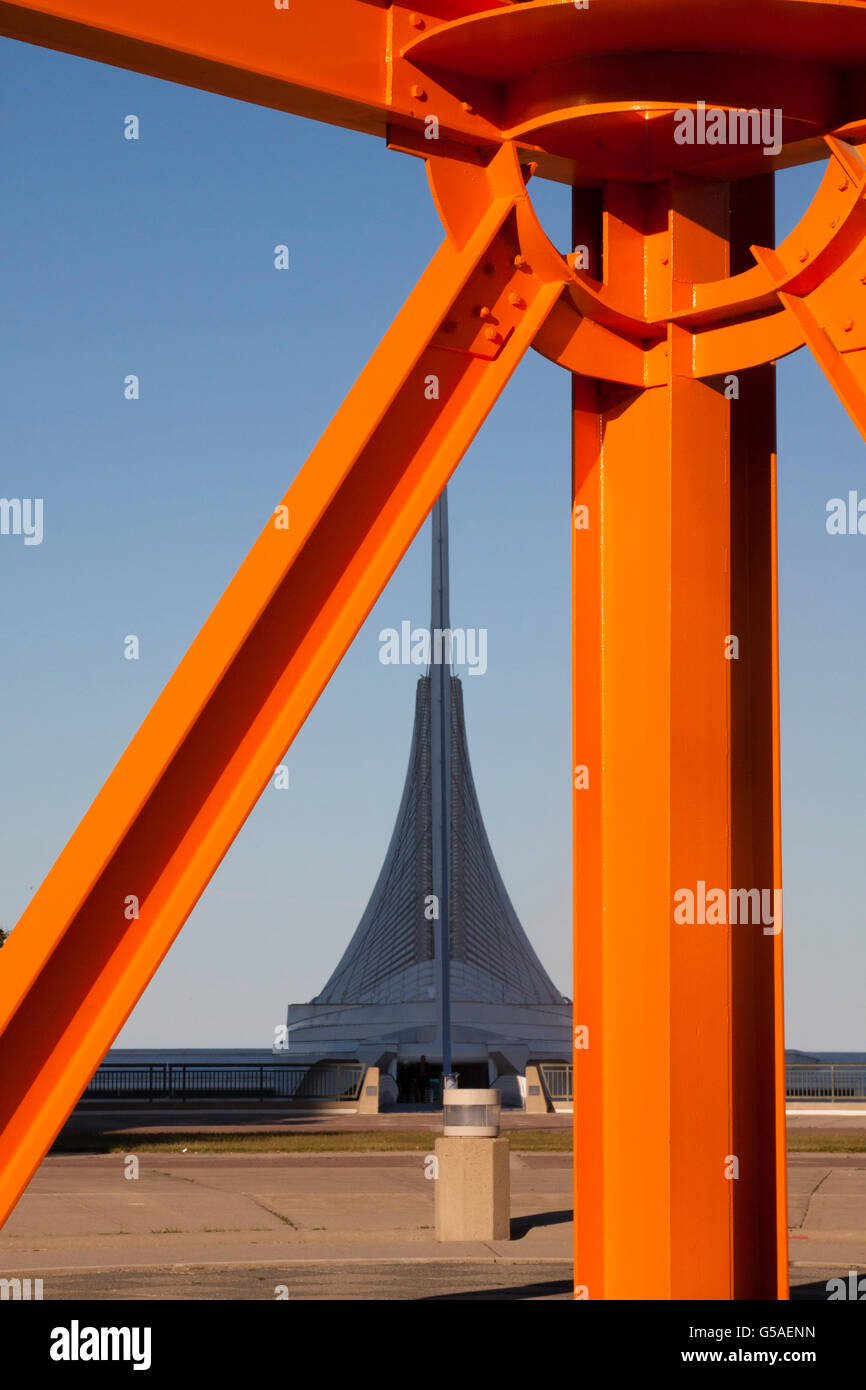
(440, 771)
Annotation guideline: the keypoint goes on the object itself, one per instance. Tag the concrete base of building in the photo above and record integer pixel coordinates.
(473, 1189)
(368, 1100)
(537, 1102)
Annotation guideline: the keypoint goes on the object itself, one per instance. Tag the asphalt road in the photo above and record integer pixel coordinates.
(359, 1280)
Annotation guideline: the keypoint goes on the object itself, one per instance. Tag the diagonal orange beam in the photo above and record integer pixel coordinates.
(846, 372)
(78, 960)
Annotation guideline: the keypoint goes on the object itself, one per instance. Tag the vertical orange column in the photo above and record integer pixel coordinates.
(679, 1124)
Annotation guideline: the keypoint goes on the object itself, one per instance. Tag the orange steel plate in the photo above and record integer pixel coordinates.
(503, 45)
(599, 87)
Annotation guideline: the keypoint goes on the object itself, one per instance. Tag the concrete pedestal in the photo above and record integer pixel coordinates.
(536, 1099)
(473, 1189)
(368, 1101)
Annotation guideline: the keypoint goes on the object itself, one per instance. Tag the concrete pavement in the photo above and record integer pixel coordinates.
(81, 1212)
(826, 1214)
(337, 1226)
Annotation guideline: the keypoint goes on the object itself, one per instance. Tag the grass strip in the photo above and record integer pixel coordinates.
(812, 1141)
(245, 1142)
(379, 1141)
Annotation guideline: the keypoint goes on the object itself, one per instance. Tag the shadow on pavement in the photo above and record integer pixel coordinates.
(549, 1288)
(522, 1225)
(809, 1293)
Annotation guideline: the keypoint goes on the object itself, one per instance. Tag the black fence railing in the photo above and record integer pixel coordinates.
(557, 1078)
(181, 1081)
(170, 1081)
(825, 1081)
(803, 1081)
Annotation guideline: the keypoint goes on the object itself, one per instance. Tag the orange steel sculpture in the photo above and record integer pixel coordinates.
(670, 316)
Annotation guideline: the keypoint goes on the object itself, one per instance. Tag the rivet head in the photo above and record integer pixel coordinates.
(449, 326)
(834, 222)
(519, 262)
(849, 324)
(843, 185)
(664, 259)
(468, 107)
(417, 92)
(493, 335)
(484, 312)
(517, 300)
(804, 254)
(416, 21)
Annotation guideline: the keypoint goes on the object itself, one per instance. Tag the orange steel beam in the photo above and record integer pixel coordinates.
(78, 960)
(673, 550)
(592, 93)
(331, 60)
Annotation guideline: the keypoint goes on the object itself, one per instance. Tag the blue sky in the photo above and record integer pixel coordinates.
(155, 257)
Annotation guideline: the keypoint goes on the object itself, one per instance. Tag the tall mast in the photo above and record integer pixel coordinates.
(440, 767)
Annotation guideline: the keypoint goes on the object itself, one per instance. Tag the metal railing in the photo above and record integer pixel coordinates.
(825, 1081)
(557, 1078)
(181, 1081)
(803, 1081)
